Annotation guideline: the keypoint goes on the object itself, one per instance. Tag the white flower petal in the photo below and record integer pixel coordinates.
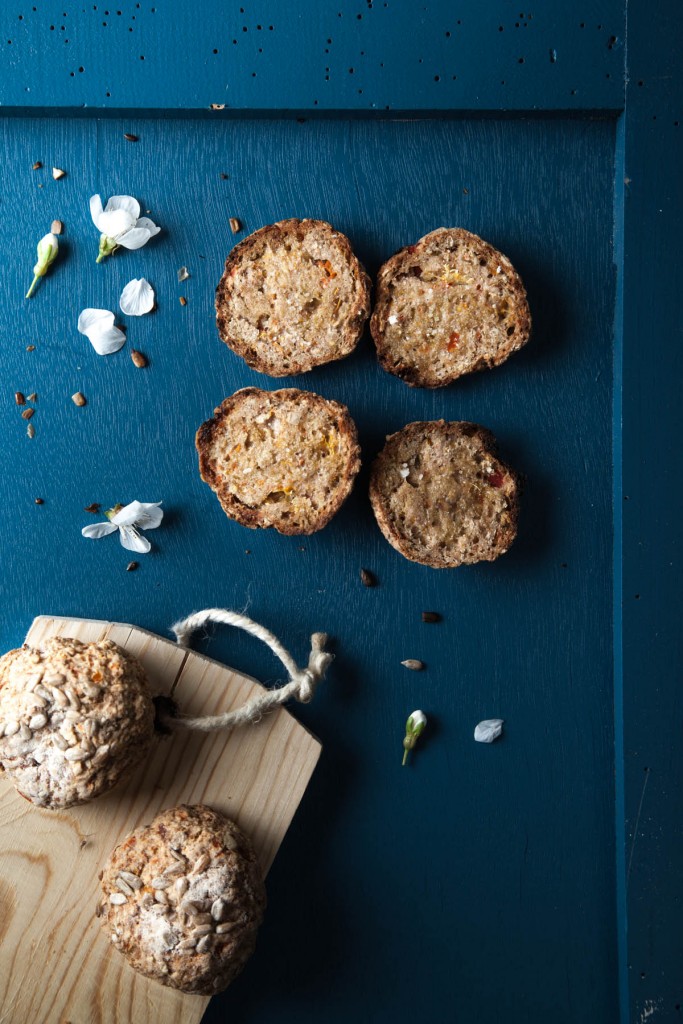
(146, 515)
(99, 319)
(488, 730)
(135, 238)
(137, 297)
(107, 341)
(98, 530)
(115, 223)
(95, 209)
(145, 222)
(131, 539)
(127, 203)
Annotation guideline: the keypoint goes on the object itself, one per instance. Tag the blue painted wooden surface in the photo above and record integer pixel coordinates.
(360, 55)
(478, 883)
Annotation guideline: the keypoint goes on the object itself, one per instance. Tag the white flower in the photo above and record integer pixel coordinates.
(488, 730)
(120, 223)
(47, 250)
(137, 297)
(98, 327)
(414, 729)
(139, 515)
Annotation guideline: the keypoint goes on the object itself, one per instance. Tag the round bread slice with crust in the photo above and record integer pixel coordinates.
(285, 459)
(446, 306)
(441, 497)
(292, 296)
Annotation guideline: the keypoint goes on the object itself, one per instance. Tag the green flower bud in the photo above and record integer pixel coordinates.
(47, 250)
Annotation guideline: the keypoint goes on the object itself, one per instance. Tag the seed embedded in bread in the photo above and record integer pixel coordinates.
(200, 936)
(441, 497)
(293, 296)
(74, 718)
(446, 306)
(285, 459)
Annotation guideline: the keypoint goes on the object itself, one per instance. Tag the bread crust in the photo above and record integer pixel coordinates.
(259, 355)
(408, 262)
(254, 517)
(413, 436)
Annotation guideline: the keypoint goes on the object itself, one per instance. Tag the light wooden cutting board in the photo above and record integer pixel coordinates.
(56, 964)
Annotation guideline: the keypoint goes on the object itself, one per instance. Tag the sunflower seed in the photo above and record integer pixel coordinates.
(36, 701)
(101, 752)
(181, 886)
(133, 880)
(123, 886)
(117, 898)
(182, 300)
(202, 929)
(160, 896)
(24, 732)
(58, 173)
(79, 399)
(42, 691)
(130, 138)
(139, 359)
(218, 909)
(161, 882)
(201, 864)
(178, 856)
(183, 274)
(367, 578)
(188, 907)
(73, 716)
(57, 227)
(59, 741)
(30, 431)
(223, 929)
(235, 225)
(37, 722)
(59, 697)
(92, 691)
(74, 754)
(72, 698)
(186, 944)
(174, 869)
(413, 664)
(204, 945)
(11, 728)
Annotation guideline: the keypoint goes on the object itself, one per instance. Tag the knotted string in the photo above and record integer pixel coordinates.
(302, 681)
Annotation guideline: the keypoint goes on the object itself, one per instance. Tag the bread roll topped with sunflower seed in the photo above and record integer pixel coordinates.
(292, 296)
(441, 497)
(285, 459)
(183, 899)
(446, 306)
(74, 718)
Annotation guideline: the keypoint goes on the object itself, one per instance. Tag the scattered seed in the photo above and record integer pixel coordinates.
(224, 177)
(431, 617)
(37, 165)
(182, 300)
(19, 398)
(37, 722)
(30, 348)
(56, 227)
(79, 399)
(27, 413)
(39, 501)
(123, 886)
(130, 138)
(223, 929)
(413, 664)
(201, 864)
(31, 431)
(218, 106)
(367, 578)
(138, 358)
(57, 173)
(117, 898)
(93, 507)
(132, 566)
(183, 274)
(33, 397)
(235, 225)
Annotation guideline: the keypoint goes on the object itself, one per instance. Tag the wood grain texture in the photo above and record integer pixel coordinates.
(56, 962)
(285, 55)
(487, 873)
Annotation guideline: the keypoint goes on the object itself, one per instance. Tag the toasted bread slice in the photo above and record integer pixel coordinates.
(446, 306)
(285, 459)
(441, 497)
(292, 296)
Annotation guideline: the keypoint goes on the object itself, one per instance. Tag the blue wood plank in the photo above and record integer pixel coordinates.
(478, 883)
(649, 503)
(360, 55)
